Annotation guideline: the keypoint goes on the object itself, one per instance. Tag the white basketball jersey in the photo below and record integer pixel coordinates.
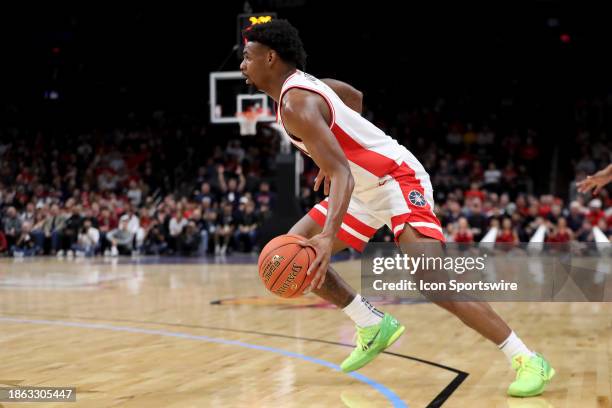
(371, 153)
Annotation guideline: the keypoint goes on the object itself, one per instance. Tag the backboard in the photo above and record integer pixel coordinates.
(229, 94)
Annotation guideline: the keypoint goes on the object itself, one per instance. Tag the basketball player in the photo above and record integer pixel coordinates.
(597, 181)
(372, 181)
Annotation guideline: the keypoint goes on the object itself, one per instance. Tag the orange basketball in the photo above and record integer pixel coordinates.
(283, 264)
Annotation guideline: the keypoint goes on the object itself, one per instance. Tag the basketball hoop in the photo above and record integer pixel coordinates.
(248, 119)
(248, 122)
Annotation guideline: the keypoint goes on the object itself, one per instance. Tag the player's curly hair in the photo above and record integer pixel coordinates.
(282, 37)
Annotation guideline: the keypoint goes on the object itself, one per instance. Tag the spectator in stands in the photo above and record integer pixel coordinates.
(492, 177)
(532, 221)
(205, 193)
(575, 217)
(88, 241)
(121, 240)
(559, 233)
(477, 220)
(556, 212)
(188, 241)
(107, 221)
(52, 228)
(475, 192)
(134, 194)
(595, 212)
(246, 228)
(25, 245)
(264, 195)
(507, 233)
(264, 213)
(211, 219)
(452, 213)
(233, 188)
(29, 215)
(70, 232)
(134, 227)
(585, 233)
(11, 224)
(224, 229)
(175, 228)
(155, 241)
(463, 233)
(197, 218)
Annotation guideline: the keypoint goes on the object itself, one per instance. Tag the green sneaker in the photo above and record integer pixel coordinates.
(532, 375)
(371, 341)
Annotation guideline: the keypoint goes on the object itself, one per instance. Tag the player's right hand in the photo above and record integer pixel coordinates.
(323, 246)
(319, 179)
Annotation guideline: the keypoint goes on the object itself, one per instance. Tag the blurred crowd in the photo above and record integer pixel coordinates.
(167, 189)
(138, 192)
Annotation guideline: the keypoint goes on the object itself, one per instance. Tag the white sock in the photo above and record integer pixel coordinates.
(513, 345)
(362, 312)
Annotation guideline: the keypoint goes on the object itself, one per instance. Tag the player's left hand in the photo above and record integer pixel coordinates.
(596, 181)
(322, 244)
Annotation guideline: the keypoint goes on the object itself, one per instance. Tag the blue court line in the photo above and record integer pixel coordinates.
(390, 395)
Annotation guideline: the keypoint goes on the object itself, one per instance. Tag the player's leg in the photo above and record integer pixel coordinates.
(477, 315)
(334, 289)
(533, 371)
(375, 330)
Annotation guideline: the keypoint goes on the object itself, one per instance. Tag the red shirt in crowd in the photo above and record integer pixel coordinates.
(3, 242)
(506, 236)
(559, 236)
(594, 216)
(463, 237)
(107, 224)
(544, 210)
(474, 194)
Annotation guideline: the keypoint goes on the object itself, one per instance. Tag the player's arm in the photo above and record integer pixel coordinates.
(349, 95)
(351, 98)
(597, 180)
(306, 115)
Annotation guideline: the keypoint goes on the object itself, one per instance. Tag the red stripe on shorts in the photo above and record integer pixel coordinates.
(353, 222)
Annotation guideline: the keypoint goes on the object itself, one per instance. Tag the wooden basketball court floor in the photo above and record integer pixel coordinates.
(156, 333)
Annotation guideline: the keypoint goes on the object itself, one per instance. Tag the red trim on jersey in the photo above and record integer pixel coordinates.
(342, 235)
(353, 222)
(281, 96)
(371, 161)
(313, 90)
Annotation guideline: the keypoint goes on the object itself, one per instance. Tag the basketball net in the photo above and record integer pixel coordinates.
(248, 120)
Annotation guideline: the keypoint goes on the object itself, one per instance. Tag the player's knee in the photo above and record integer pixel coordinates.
(306, 227)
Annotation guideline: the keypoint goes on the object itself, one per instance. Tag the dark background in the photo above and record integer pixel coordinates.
(106, 61)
